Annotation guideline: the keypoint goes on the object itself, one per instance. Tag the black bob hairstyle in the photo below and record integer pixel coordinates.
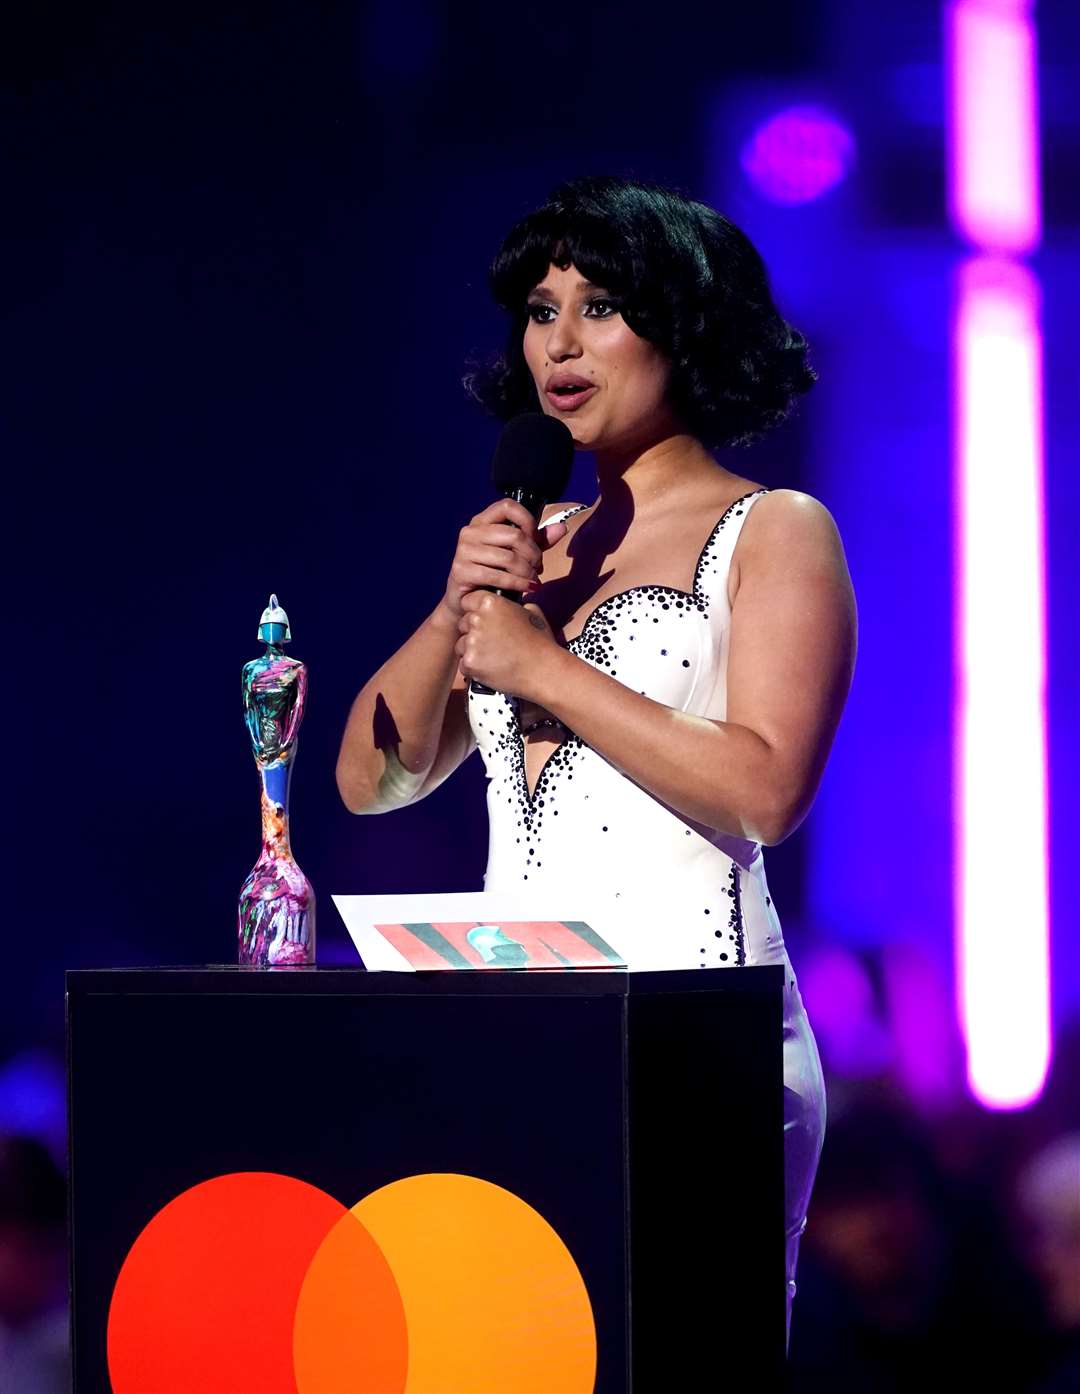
(684, 277)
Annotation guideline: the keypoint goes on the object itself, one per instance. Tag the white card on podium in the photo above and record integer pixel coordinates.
(477, 930)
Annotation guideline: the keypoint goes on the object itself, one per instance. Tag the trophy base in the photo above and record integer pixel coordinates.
(276, 918)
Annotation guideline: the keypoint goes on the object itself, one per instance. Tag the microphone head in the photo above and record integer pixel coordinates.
(535, 454)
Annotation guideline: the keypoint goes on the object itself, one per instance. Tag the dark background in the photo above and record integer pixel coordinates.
(248, 261)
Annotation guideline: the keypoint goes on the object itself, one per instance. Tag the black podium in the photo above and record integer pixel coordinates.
(641, 1115)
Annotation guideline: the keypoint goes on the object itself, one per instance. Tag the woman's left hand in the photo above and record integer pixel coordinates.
(503, 645)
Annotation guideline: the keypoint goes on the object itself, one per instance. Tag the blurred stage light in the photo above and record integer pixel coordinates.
(33, 1099)
(1002, 919)
(839, 995)
(798, 154)
(1000, 717)
(992, 128)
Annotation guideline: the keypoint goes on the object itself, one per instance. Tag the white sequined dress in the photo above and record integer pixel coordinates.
(587, 825)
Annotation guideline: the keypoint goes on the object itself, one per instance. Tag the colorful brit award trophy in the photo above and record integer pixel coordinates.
(277, 904)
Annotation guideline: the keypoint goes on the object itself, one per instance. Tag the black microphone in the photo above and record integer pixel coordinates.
(531, 464)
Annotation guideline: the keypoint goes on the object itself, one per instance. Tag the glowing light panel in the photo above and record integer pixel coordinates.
(1002, 874)
(993, 124)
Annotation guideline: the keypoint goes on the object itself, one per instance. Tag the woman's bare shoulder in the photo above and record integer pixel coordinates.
(788, 528)
(787, 515)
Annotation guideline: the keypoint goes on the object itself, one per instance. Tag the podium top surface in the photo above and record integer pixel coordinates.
(231, 980)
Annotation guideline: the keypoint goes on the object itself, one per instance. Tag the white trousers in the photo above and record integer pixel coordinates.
(804, 1125)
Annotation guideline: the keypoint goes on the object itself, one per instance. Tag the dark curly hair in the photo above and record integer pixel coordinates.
(688, 280)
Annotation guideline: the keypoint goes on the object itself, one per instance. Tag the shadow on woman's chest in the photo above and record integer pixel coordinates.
(604, 559)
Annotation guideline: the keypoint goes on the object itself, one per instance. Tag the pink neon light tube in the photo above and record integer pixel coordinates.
(1002, 913)
(992, 128)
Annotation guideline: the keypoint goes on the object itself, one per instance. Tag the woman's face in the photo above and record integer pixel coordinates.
(575, 330)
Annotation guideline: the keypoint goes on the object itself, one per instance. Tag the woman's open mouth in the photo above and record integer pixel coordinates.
(571, 397)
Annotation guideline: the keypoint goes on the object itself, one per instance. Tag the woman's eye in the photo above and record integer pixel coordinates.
(597, 308)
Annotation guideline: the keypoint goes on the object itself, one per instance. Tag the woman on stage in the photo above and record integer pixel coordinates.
(663, 705)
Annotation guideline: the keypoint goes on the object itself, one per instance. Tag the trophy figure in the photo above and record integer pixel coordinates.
(276, 922)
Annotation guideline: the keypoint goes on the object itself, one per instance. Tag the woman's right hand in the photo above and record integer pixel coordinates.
(492, 551)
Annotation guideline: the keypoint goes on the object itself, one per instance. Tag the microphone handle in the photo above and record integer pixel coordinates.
(535, 504)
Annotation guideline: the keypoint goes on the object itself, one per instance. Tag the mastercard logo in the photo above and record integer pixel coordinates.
(257, 1283)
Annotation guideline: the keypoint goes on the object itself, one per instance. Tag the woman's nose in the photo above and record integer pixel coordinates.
(563, 340)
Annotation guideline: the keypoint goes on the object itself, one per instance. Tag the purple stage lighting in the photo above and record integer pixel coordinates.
(798, 154)
(993, 126)
(1002, 943)
(1000, 714)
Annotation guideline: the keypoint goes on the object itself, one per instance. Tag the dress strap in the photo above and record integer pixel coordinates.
(711, 575)
(565, 513)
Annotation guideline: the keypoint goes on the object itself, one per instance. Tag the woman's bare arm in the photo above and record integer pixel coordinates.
(790, 663)
(408, 728)
(401, 719)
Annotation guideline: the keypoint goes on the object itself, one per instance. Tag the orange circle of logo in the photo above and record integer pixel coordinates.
(256, 1283)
